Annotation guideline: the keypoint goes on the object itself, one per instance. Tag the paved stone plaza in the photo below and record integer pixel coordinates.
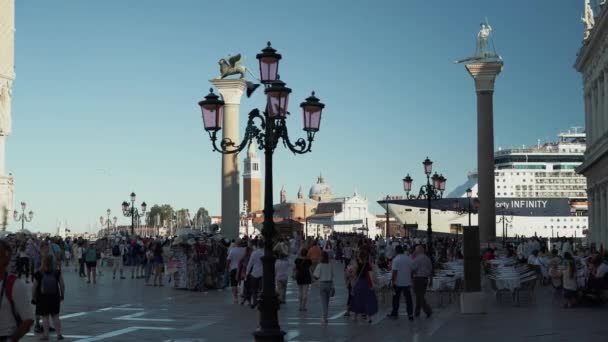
(125, 310)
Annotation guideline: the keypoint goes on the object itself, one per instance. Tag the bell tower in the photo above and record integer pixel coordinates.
(252, 179)
(7, 76)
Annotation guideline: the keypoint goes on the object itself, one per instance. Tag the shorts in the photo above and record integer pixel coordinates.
(91, 264)
(233, 281)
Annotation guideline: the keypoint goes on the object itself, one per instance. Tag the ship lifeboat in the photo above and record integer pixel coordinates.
(580, 205)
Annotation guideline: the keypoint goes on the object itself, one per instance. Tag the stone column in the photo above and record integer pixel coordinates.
(484, 74)
(600, 105)
(7, 76)
(588, 114)
(594, 107)
(231, 91)
(590, 213)
(603, 215)
(593, 210)
(604, 112)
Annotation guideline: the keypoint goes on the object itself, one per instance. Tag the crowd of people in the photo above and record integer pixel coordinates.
(42, 261)
(210, 262)
(362, 259)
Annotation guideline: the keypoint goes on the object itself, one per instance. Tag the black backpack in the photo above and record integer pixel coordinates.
(116, 250)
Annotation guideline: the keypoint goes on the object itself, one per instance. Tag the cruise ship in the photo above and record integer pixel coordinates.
(537, 191)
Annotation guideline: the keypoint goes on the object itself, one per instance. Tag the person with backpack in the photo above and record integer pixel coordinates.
(90, 259)
(118, 251)
(47, 293)
(16, 315)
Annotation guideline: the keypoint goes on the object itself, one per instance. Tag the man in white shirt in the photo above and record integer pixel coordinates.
(235, 254)
(402, 267)
(533, 258)
(13, 295)
(255, 271)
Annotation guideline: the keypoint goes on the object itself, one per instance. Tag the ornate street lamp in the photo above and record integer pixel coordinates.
(431, 191)
(107, 222)
(407, 185)
(23, 217)
(270, 129)
(129, 210)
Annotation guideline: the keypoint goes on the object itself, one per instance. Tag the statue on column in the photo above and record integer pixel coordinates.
(5, 108)
(588, 19)
(482, 40)
(231, 67)
(485, 51)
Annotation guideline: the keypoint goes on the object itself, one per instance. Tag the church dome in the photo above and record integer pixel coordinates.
(320, 191)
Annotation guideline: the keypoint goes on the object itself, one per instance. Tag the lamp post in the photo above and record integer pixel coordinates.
(430, 191)
(505, 221)
(106, 222)
(270, 129)
(129, 210)
(23, 217)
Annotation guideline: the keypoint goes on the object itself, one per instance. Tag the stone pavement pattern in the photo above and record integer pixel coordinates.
(126, 310)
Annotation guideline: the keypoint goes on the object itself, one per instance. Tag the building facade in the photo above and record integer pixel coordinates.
(7, 77)
(592, 63)
(322, 213)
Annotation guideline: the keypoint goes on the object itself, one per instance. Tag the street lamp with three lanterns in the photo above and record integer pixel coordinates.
(107, 222)
(23, 217)
(129, 210)
(267, 128)
(434, 188)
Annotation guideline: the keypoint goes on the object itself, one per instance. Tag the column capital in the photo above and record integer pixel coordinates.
(484, 74)
(231, 90)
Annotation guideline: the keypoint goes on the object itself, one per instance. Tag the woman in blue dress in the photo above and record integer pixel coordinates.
(365, 302)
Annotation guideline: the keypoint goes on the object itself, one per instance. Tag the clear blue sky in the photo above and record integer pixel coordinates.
(105, 101)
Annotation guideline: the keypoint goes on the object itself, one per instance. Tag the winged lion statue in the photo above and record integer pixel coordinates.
(231, 67)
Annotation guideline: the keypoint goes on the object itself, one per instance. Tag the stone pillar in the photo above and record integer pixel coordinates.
(603, 215)
(7, 76)
(591, 215)
(600, 105)
(588, 113)
(594, 116)
(484, 74)
(231, 91)
(604, 112)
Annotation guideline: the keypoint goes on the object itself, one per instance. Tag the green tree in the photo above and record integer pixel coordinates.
(163, 212)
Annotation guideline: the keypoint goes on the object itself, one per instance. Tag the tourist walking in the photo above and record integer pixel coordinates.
(149, 264)
(255, 271)
(365, 302)
(242, 276)
(324, 274)
(235, 254)
(423, 270)
(48, 293)
(301, 273)
(23, 263)
(281, 267)
(14, 300)
(402, 266)
(118, 252)
(159, 263)
(79, 255)
(90, 259)
(569, 281)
